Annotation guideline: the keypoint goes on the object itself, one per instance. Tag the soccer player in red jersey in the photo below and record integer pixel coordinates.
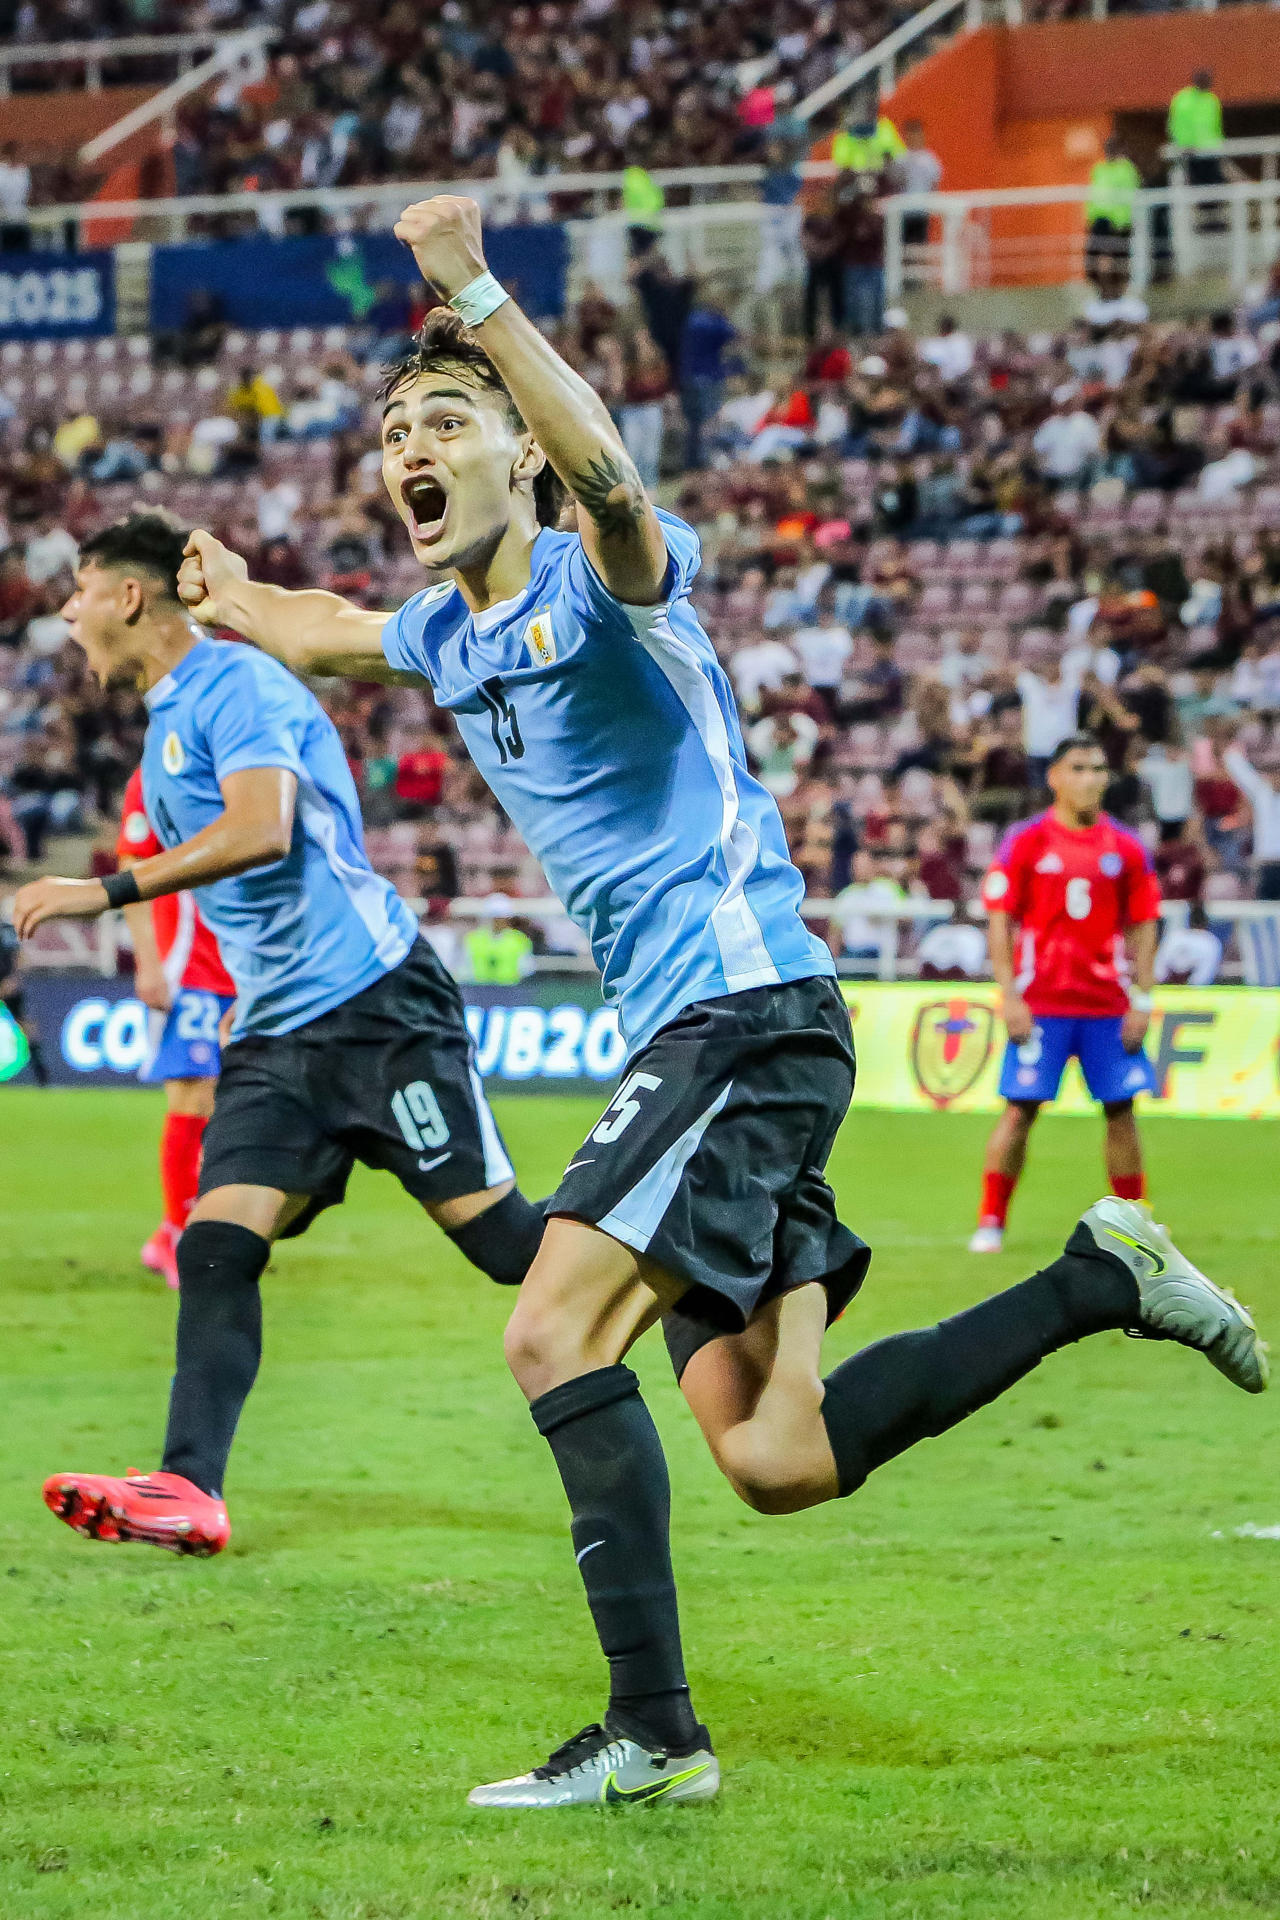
(1073, 905)
(179, 975)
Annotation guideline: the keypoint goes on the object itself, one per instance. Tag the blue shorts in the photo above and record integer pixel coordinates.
(1033, 1069)
(184, 1041)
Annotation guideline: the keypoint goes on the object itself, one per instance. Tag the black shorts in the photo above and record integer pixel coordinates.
(710, 1159)
(386, 1078)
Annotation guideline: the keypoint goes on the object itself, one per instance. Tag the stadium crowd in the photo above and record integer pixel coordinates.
(349, 92)
(926, 559)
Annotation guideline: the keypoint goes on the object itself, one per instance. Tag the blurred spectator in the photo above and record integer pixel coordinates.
(1108, 214)
(646, 382)
(1262, 791)
(1067, 445)
(419, 781)
(198, 341)
(254, 400)
(824, 648)
(949, 350)
(1194, 123)
(15, 193)
(50, 551)
(1179, 863)
(917, 170)
(782, 746)
(703, 369)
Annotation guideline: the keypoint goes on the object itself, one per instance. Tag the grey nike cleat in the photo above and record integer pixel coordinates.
(1178, 1302)
(600, 1769)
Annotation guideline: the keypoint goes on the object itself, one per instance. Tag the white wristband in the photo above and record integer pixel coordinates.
(479, 298)
(1139, 1001)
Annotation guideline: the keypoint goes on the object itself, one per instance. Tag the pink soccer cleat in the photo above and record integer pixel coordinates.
(162, 1509)
(160, 1254)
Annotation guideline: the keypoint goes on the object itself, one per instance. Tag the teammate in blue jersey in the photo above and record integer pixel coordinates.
(348, 1042)
(590, 698)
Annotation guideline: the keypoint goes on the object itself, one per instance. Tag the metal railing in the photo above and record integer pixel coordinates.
(1232, 229)
(230, 51)
(94, 55)
(355, 209)
(1240, 239)
(881, 63)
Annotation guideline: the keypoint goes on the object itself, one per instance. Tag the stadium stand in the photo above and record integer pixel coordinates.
(351, 93)
(918, 576)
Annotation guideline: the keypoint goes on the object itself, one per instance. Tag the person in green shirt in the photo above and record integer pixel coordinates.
(867, 143)
(1108, 215)
(643, 199)
(1195, 122)
(498, 952)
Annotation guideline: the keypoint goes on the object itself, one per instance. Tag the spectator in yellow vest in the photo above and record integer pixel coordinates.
(867, 144)
(643, 198)
(1109, 214)
(498, 952)
(1195, 122)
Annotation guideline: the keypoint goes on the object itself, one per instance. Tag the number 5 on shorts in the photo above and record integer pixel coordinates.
(623, 1109)
(418, 1116)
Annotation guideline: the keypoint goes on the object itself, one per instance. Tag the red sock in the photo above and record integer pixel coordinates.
(997, 1192)
(1129, 1186)
(180, 1143)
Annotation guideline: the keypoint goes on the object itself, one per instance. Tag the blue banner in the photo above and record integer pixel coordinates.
(325, 280)
(550, 1035)
(56, 296)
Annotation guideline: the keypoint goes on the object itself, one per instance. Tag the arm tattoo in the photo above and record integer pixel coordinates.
(611, 492)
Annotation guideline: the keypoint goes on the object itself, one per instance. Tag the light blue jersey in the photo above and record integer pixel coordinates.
(317, 927)
(609, 734)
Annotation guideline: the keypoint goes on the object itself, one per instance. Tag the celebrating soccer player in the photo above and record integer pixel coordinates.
(592, 701)
(349, 1041)
(178, 973)
(1079, 889)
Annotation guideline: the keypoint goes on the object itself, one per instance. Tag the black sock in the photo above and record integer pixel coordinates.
(615, 1475)
(915, 1385)
(219, 1346)
(503, 1239)
(39, 1066)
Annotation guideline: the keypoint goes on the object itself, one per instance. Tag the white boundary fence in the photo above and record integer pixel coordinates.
(95, 946)
(1232, 229)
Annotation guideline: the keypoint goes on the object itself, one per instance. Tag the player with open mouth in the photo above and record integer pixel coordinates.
(592, 701)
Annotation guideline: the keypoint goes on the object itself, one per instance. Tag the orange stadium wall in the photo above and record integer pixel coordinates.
(1032, 106)
(58, 121)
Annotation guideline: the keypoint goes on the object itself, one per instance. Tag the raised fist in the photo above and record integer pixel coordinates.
(207, 578)
(444, 233)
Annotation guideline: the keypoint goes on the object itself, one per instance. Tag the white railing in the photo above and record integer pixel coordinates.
(66, 946)
(881, 62)
(94, 55)
(963, 252)
(356, 208)
(230, 50)
(721, 231)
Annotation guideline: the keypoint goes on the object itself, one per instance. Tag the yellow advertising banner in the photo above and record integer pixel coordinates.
(939, 1045)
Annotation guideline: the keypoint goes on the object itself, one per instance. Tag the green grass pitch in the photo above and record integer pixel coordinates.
(1033, 1669)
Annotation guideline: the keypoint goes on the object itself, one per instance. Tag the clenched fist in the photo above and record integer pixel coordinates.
(444, 233)
(207, 579)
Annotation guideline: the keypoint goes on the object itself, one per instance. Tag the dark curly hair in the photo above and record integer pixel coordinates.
(445, 341)
(145, 541)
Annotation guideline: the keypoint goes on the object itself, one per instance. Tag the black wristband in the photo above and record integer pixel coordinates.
(121, 889)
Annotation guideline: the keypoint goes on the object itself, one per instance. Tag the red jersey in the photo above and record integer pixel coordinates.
(188, 950)
(1072, 892)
